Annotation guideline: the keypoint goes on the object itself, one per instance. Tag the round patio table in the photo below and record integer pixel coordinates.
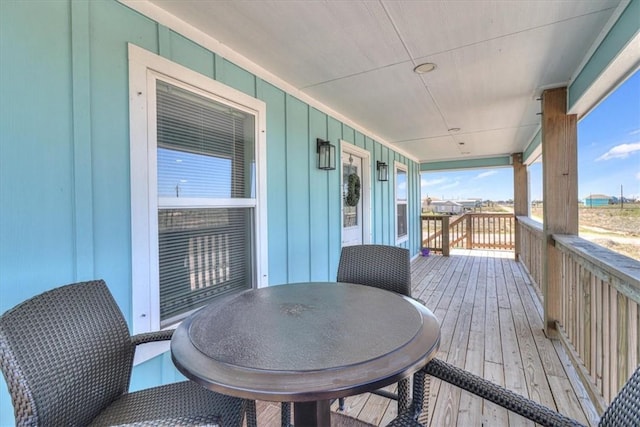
(305, 343)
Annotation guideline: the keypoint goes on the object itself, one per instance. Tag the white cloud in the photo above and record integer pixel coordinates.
(621, 151)
(429, 182)
(485, 174)
(634, 132)
(638, 176)
(453, 184)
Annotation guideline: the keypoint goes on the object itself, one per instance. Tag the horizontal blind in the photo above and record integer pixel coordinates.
(204, 253)
(206, 151)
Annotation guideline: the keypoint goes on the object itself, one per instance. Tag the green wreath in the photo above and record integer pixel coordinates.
(353, 190)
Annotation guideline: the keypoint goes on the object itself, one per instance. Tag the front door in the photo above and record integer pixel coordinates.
(355, 196)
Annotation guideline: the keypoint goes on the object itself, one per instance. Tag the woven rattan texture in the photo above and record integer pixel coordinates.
(162, 405)
(384, 267)
(380, 266)
(625, 408)
(497, 394)
(67, 356)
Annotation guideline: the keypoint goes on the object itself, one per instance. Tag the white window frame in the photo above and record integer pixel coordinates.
(144, 69)
(400, 166)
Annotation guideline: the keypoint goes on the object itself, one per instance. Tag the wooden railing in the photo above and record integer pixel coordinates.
(600, 321)
(432, 236)
(531, 242)
(471, 231)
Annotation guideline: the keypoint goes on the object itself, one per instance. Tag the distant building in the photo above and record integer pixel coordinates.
(446, 207)
(595, 200)
(470, 204)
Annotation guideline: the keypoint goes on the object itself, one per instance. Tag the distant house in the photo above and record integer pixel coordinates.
(595, 200)
(446, 207)
(470, 204)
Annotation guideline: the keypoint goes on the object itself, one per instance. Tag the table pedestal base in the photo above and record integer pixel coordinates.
(312, 414)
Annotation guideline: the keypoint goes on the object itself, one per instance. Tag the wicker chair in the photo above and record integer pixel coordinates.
(383, 267)
(624, 411)
(67, 357)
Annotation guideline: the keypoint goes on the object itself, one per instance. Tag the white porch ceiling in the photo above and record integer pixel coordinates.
(356, 57)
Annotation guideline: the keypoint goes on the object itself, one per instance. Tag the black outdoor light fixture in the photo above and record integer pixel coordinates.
(383, 171)
(326, 154)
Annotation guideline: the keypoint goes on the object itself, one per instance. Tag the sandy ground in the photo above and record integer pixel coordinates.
(608, 228)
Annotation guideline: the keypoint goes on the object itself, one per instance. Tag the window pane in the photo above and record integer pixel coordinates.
(204, 253)
(402, 219)
(205, 149)
(401, 184)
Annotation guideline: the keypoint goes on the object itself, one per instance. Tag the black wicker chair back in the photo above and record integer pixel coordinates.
(383, 267)
(67, 358)
(625, 408)
(380, 266)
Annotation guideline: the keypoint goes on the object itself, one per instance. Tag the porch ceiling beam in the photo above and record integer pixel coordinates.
(488, 162)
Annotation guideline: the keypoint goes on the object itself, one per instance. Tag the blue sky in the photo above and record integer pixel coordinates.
(608, 157)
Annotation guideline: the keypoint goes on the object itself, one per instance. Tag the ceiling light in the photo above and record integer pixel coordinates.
(424, 68)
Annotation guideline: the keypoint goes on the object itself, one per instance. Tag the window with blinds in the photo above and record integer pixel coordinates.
(401, 204)
(206, 200)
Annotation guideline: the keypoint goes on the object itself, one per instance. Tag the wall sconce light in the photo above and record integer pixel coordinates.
(383, 171)
(326, 154)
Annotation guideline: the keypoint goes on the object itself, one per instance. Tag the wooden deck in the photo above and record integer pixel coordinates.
(492, 326)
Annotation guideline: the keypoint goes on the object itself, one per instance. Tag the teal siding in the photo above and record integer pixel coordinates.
(319, 214)
(348, 134)
(64, 159)
(235, 77)
(185, 52)
(277, 179)
(298, 241)
(37, 239)
(111, 27)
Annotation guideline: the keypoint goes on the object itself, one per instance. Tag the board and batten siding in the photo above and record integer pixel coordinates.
(64, 157)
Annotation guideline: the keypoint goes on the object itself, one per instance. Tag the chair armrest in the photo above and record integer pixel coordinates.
(499, 395)
(151, 337)
(195, 420)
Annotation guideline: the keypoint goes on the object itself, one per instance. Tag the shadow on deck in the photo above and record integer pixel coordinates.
(491, 321)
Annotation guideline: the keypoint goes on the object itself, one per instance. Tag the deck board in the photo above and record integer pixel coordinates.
(491, 324)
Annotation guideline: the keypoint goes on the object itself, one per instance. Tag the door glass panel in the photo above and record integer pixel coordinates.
(350, 213)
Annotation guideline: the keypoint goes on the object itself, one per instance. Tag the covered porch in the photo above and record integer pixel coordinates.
(81, 81)
(491, 319)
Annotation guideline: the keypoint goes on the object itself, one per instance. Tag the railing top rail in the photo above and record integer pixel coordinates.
(433, 216)
(496, 214)
(623, 272)
(530, 223)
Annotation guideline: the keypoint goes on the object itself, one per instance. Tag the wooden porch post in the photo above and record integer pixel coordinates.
(560, 186)
(520, 195)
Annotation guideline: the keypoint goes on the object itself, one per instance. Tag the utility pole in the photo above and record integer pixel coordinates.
(621, 198)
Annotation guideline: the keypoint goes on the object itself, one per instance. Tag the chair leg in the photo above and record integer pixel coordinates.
(421, 391)
(341, 403)
(251, 414)
(285, 414)
(404, 389)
